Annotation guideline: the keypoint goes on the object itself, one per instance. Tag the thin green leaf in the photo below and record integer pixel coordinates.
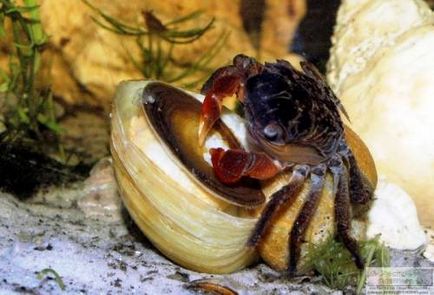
(2, 25)
(57, 278)
(193, 15)
(24, 46)
(4, 86)
(3, 75)
(166, 59)
(159, 61)
(5, 81)
(185, 37)
(188, 33)
(22, 9)
(145, 56)
(204, 59)
(361, 281)
(116, 28)
(37, 34)
(49, 123)
(151, 62)
(14, 70)
(23, 115)
(115, 25)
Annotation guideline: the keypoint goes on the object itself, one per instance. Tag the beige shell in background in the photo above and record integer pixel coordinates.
(365, 27)
(184, 220)
(382, 67)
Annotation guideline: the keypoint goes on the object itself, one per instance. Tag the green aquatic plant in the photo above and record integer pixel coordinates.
(332, 260)
(28, 109)
(157, 41)
(57, 278)
(32, 155)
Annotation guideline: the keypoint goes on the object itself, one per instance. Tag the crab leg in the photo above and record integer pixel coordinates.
(343, 214)
(307, 211)
(227, 83)
(277, 199)
(230, 165)
(361, 190)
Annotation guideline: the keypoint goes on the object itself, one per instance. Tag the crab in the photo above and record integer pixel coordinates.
(293, 121)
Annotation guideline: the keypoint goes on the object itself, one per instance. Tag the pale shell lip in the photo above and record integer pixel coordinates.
(393, 215)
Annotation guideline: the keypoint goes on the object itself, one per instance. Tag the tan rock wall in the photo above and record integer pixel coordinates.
(88, 61)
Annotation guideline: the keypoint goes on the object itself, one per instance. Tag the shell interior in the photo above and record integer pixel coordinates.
(174, 115)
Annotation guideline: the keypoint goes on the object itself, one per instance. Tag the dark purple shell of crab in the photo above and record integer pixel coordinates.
(293, 113)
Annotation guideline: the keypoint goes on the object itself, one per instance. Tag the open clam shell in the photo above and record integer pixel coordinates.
(182, 218)
(171, 193)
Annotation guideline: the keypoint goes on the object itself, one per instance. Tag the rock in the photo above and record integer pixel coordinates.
(102, 197)
(429, 251)
(393, 215)
(90, 60)
(367, 26)
(383, 76)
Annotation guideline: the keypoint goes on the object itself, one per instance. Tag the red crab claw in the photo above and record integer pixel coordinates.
(227, 84)
(230, 165)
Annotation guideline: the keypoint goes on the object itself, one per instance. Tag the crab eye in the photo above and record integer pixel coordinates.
(273, 132)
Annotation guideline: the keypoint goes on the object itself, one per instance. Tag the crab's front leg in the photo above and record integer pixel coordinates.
(225, 82)
(361, 191)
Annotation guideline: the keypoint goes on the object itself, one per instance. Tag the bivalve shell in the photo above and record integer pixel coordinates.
(180, 217)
